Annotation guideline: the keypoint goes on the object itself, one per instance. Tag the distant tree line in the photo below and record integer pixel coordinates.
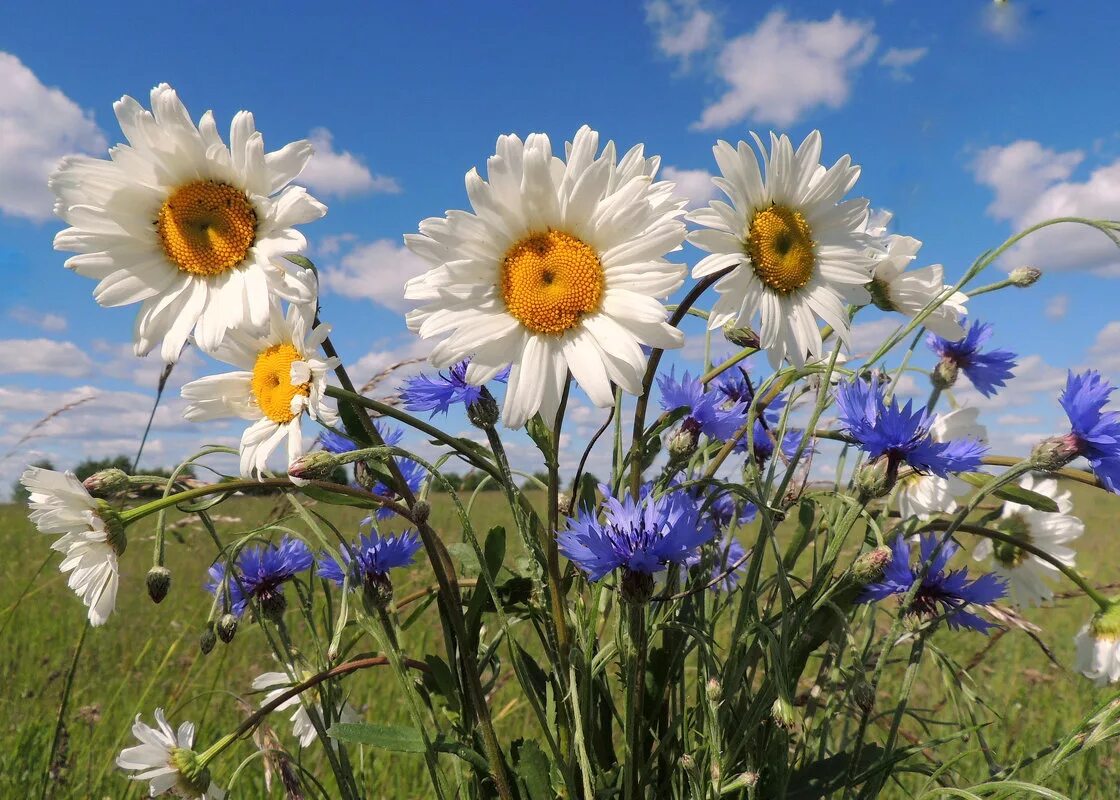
(89, 466)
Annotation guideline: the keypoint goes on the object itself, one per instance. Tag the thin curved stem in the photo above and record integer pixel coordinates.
(1079, 475)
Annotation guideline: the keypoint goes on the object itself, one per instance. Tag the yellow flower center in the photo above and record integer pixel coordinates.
(780, 246)
(272, 382)
(206, 227)
(550, 280)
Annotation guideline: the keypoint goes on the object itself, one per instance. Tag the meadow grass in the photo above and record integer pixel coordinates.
(148, 656)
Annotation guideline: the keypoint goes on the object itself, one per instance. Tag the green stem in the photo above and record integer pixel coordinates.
(639, 637)
(1078, 475)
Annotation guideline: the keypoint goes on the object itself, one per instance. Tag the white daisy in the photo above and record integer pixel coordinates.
(559, 267)
(923, 495)
(1098, 647)
(1026, 574)
(795, 249)
(189, 228)
(92, 536)
(282, 377)
(892, 288)
(164, 757)
(303, 729)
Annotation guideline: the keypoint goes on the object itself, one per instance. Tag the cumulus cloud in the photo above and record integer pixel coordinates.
(1033, 183)
(376, 271)
(38, 125)
(786, 68)
(682, 27)
(43, 357)
(52, 323)
(1057, 307)
(695, 184)
(898, 59)
(341, 174)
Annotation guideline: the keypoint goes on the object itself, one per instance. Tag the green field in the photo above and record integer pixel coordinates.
(147, 656)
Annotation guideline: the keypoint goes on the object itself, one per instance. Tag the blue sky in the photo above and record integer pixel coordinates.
(969, 119)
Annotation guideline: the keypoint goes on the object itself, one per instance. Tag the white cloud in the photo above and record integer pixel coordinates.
(376, 271)
(1032, 184)
(786, 68)
(341, 174)
(52, 323)
(1003, 19)
(695, 184)
(682, 27)
(38, 125)
(44, 357)
(1057, 307)
(390, 364)
(1018, 419)
(897, 59)
(1104, 353)
(867, 336)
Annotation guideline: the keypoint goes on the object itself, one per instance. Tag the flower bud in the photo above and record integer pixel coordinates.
(313, 466)
(682, 444)
(1054, 453)
(782, 713)
(483, 412)
(876, 478)
(158, 582)
(870, 566)
(107, 482)
(1025, 276)
(377, 591)
(364, 476)
(864, 696)
(714, 690)
(227, 627)
(421, 510)
(687, 762)
(944, 375)
(207, 639)
(273, 604)
(741, 336)
(636, 587)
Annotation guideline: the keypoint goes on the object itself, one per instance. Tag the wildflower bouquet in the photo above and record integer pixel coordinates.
(723, 615)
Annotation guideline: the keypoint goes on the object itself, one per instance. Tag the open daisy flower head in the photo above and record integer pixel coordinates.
(91, 536)
(193, 230)
(709, 412)
(988, 372)
(901, 435)
(259, 575)
(282, 378)
(796, 249)
(275, 684)
(1098, 647)
(942, 591)
(165, 759)
(921, 495)
(1026, 574)
(437, 394)
(1094, 432)
(893, 288)
(639, 537)
(559, 267)
(369, 561)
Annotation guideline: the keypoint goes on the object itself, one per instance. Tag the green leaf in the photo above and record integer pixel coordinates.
(1012, 493)
(533, 770)
(820, 779)
(494, 553)
(468, 559)
(587, 496)
(352, 422)
(301, 261)
(397, 738)
(327, 496)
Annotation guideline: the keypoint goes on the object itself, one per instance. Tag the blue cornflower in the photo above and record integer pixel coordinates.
(438, 394)
(414, 475)
(338, 443)
(708, 411)
(940, 591)
(640, 537)
(901, 435)
(737, 390)
(987, 371)
(368, 562)
(260, 573)
(727, 509)
(764, 443)
(730, 560)
(1095, 433)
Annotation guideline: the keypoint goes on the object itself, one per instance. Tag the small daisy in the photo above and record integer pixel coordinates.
(282, 377)
(920, 495)
(91, 541)
(1098, 647)
(941, 592)
(1095, 433)
(901, 435)
(260, 574)
(560, 267)
(1025, 573)
(165, 758)
(189, 228)
(796, 249)
(276, 683)
(988, 371)
(438, 394)
(909, 292)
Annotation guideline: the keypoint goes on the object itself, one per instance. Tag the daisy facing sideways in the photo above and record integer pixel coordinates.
(1026, 574)
(795, 248)
(559, 267)
(923, 494)
(282, 378)
(190, 228)
(276, 683)
(91, 541)
(164, 758)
